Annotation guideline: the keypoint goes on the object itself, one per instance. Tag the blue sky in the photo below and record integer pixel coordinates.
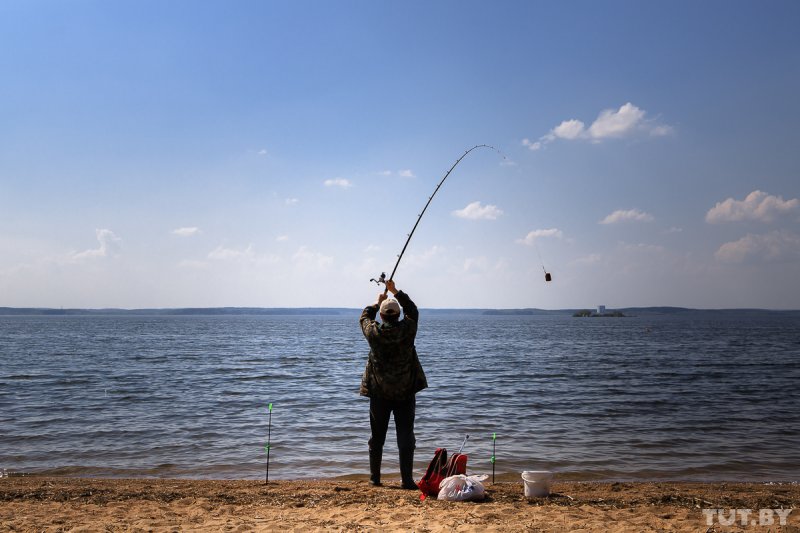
(171, 154)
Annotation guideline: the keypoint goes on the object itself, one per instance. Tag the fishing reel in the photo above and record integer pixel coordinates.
(381, 279)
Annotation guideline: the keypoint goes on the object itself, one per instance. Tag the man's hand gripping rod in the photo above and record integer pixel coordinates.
(381, 279)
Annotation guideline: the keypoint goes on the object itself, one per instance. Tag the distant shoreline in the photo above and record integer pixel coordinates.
(338, 311)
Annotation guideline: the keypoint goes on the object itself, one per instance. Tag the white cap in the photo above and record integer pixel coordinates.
(390, 307)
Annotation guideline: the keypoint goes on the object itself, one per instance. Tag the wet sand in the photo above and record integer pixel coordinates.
(34, 503)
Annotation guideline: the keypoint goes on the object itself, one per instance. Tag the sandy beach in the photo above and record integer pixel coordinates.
(71, 504)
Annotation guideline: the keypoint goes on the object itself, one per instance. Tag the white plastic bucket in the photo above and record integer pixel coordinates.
(537, 483)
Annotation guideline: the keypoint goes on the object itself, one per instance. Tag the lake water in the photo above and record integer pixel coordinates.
(700, 397)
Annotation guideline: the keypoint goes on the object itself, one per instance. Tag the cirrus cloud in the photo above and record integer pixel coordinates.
(476, 211)
(757, 205)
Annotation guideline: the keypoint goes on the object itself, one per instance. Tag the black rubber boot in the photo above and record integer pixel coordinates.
(375, 467)
(406, 469)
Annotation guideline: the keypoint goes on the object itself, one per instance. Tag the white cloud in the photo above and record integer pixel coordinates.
(291, 201)
(630, 215)
(641, 247)
(673, 229)
(110, 245)
(569, 129)
(773, 246)
(480, 266)
(282, 238)
(228, 254)
(532, 145)
(610, 123)
(425, 258)
(192, 264)
(475, 264)
(758, 206)
(310, 260)
(476, 211)
(247, 255)
(372, 248)
(591, 259)
(531, 237)
(186, 232)
(403, 173)
(661, 131)
(262, 152)
(338, 182)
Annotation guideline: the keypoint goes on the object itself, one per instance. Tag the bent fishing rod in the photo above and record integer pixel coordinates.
(382, 277)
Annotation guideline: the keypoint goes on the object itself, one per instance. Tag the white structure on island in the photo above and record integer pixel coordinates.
(601, 309)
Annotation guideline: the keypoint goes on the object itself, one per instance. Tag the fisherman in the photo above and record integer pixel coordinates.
(392, 378)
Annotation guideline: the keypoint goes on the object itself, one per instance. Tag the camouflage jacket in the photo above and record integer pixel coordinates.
(393, 370)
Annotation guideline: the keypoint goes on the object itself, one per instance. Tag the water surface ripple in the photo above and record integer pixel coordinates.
(658, 397)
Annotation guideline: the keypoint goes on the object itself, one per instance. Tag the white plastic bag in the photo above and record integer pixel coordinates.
(461, 488)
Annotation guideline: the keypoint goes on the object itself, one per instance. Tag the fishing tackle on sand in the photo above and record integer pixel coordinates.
(382, 278)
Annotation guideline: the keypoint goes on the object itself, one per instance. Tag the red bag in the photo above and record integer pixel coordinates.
(438, 469)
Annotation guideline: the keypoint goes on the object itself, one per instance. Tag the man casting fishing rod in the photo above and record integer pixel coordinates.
(393, 374)
(392, 377)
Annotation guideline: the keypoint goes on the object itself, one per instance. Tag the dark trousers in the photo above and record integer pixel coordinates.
(404, 411)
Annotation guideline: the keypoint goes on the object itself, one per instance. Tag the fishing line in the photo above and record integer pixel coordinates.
(547, 276)
(382, 278)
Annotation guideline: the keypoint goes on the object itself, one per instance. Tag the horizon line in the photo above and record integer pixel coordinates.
(344, 308)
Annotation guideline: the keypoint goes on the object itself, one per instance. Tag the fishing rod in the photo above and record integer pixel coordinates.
(268, 446)
(382, 278)
(494, 454)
